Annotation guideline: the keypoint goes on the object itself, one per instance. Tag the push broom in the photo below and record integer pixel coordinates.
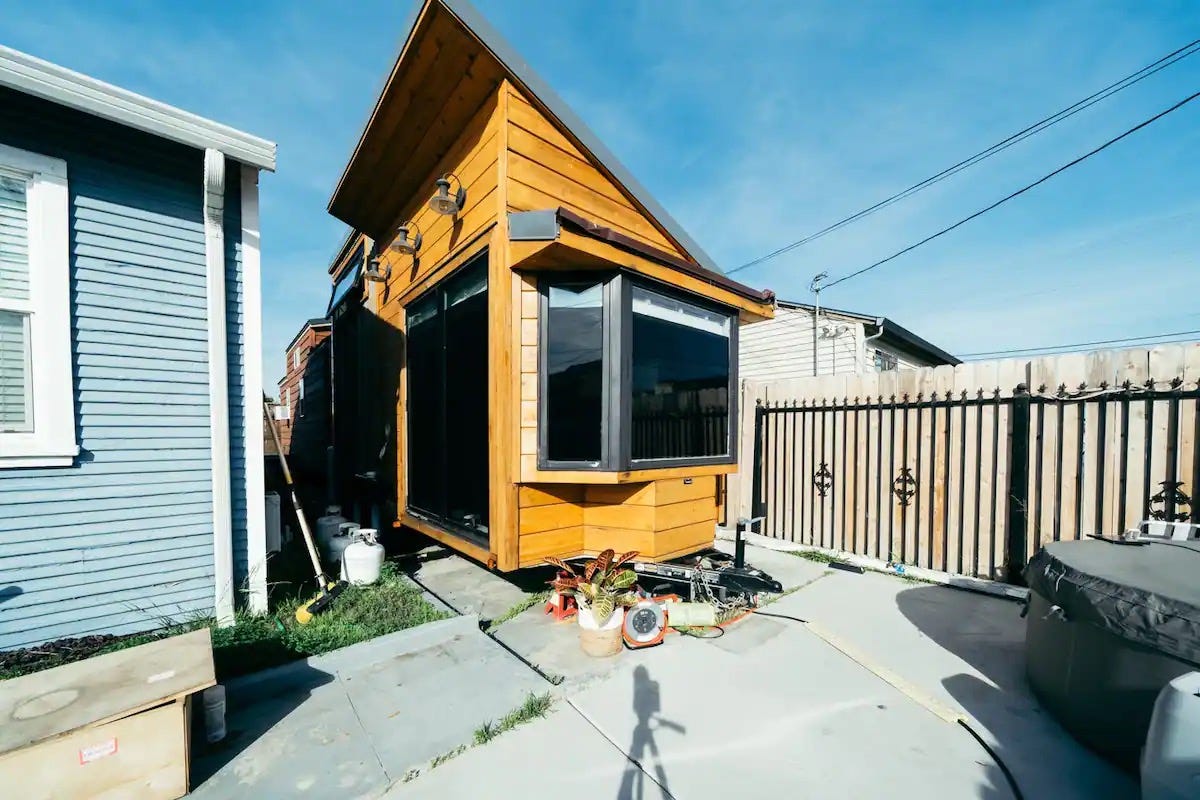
(327, 589)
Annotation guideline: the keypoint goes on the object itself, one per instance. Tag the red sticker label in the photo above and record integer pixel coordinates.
(98, 751)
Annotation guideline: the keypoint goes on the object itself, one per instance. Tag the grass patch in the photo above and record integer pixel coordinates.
(815, 556)
(255, 642)
(520, 607)
(535, 705)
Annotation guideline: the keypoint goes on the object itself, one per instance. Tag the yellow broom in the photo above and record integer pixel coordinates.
(327, 589)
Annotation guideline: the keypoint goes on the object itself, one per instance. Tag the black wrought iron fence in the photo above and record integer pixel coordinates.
(974, 484)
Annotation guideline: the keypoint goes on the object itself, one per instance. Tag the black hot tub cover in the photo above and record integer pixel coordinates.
(1147, 594)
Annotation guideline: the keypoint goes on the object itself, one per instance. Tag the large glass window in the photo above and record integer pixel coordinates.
(574, 366)
(447, 397)
(633, 374)
(679, 382)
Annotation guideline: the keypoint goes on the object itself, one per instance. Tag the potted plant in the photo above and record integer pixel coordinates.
(602, 590)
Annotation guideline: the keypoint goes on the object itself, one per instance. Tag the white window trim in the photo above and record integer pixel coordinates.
(52, 441)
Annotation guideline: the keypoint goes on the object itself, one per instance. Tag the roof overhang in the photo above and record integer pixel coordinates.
(578, 244)
(351, 201)
(893, 333)
(39, 78)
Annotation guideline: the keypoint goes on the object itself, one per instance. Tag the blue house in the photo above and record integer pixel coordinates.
(131, 448)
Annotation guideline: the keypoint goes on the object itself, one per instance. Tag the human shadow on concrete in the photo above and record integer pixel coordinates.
(647, 704)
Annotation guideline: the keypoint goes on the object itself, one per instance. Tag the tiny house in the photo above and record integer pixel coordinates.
(131, 487)
(531, 358)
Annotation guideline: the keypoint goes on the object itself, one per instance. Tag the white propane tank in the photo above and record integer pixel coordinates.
(362, 561)
(327, 526)
(347, 533)
(1171, 757)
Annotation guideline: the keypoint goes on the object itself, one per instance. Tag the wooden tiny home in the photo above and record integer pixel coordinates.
(554, 370)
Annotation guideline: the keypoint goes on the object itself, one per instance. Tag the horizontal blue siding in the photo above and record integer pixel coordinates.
(235, 353)
(121, 541)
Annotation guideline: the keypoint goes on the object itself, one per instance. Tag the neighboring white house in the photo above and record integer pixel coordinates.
(845, 342)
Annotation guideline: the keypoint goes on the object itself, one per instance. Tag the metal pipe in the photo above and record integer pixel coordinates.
(879, 324)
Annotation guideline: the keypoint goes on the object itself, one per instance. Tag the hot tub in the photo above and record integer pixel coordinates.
(1108, 626)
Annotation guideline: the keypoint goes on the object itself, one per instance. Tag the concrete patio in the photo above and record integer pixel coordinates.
(852, 689)
(849, 686)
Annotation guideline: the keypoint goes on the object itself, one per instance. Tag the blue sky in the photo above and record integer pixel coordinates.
(755, 124)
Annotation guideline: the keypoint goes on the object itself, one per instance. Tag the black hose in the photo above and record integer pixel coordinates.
(1012, 782)
(553, 680)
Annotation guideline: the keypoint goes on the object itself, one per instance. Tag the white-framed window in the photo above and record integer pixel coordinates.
(296, 358)
(37, 398)
(885, 361)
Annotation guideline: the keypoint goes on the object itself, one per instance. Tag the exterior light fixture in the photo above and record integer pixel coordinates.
(402, 244)
(445, 203)
(376, 271)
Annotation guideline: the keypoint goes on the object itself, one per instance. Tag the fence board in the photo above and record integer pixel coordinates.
(1097, 452)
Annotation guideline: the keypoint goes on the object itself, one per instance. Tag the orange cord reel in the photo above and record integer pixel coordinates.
(645, 624)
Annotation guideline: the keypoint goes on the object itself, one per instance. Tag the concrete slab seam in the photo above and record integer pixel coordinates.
(665, 791)
(370, 739)
(943, 712)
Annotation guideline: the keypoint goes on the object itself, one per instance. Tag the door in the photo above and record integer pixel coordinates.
(447, 369)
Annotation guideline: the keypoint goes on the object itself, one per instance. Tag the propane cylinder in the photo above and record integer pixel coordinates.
(327, 526)
(362, 560)
(347, 533)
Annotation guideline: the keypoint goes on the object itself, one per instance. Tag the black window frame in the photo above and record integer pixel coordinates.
(616, 417)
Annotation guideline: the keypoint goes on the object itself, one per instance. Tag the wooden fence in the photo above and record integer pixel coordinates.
(970, 469)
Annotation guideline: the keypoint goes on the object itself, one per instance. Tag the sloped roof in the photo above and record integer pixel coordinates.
(517, 69)
(893, 332)
(39, 78)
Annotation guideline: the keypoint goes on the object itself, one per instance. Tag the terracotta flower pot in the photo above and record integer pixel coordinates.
(600, 641)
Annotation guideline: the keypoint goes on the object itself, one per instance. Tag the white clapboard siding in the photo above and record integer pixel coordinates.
(782, 347)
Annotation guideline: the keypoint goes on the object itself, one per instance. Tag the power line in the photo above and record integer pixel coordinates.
(1015, 194)
(1003, 144)
(1126, 340)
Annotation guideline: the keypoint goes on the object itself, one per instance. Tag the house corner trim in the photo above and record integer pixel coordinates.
(218, 384)
(252, 382)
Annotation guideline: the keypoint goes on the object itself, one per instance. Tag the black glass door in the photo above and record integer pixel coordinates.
(448, 402)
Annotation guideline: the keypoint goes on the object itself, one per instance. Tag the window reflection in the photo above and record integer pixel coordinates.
(680, 378)
(574, 371)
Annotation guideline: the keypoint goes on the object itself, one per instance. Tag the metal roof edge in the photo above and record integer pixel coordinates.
(34, 76)
(893, 332)
(512, 60)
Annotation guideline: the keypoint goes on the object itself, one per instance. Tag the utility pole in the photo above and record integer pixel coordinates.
(814, 286)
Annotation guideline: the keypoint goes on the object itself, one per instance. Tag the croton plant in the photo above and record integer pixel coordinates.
(603, 583)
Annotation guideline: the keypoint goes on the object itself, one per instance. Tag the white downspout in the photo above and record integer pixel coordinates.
(879, 324)
(218, 384)
(252, 388)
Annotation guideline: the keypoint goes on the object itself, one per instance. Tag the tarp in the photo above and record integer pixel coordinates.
(1146, 594)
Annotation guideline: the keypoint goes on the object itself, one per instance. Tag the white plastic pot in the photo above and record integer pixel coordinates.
(596, 640)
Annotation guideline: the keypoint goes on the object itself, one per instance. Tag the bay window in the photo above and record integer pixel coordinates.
(633, 375)
(37, 423)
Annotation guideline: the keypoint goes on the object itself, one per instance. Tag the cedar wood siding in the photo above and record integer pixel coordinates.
(122, 540)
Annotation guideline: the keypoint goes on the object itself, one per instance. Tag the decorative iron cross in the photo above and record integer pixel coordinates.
(1171, 504)
(823, 479)
(905, 486)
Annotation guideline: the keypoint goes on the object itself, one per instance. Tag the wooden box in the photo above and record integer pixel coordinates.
(113, 726)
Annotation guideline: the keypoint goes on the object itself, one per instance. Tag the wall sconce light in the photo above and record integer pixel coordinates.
(375, 271)
(402, 244)
(445, 203)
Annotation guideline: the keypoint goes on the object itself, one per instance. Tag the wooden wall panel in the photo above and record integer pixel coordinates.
(546, 170)
(659, 519)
